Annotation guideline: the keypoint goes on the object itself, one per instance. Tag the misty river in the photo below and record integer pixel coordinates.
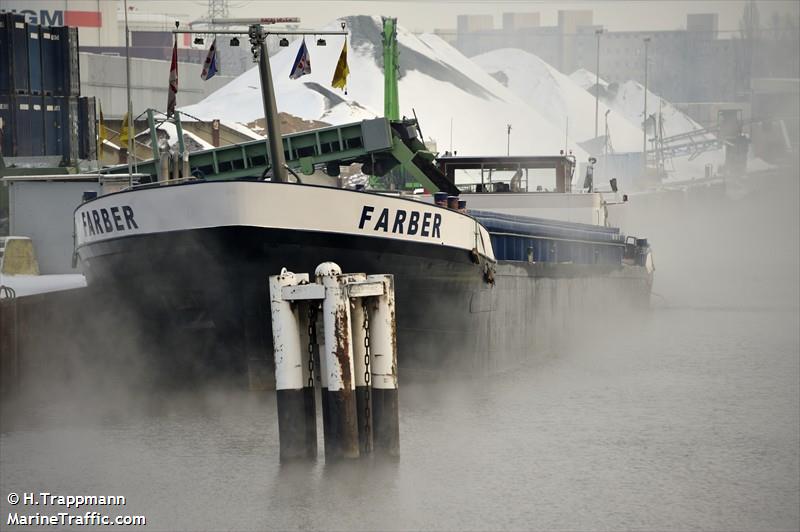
(683, 418)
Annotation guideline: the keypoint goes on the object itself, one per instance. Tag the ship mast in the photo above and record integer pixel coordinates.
(258, 40)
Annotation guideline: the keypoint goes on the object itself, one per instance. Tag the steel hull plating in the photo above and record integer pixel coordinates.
(193, 259)
(204, 294)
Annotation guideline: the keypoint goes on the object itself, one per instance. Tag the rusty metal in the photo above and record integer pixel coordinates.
(295, 401)
(342, 348)
(383, 362)
(367, 385)
(346, 365)
(341, 436)
(312, 340)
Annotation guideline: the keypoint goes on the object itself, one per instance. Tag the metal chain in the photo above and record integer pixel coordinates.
(367, 376)
(312, 339)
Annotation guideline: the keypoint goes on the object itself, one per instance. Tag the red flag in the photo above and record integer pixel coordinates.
(173, 80)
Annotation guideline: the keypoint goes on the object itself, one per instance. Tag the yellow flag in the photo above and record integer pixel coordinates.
(102, 135)
(342, 71)
(123, 132)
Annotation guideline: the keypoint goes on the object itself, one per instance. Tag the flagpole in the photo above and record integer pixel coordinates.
(274, 139)
(258, 43)
(128, 91)
(172, 90)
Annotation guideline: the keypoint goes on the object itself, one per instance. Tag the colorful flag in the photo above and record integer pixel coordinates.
(210, 66)
(339, 80)
(173, 80)
(123, 132)
(102, 135)
(302, 63)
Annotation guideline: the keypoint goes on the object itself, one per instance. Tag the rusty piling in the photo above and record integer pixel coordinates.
(361, 362)
(297, 426)
(350, 349)
(341, 434)
(385, 405)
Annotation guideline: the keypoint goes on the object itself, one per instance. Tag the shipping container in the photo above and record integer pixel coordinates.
(49, 54)
(88, 129)
(5, 55)
(37, 125)
(59, 77)
(34, 60)
(69, 128)
(91, 134)
(21, 126)
(6, 133)
(52, 126)
(13, 54)
(68, 58)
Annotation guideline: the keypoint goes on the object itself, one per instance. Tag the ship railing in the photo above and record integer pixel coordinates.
(163, 182)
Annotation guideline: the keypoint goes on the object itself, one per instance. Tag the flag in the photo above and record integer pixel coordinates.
(210, 66)
(302, 63)
(124, 131)
(339, 80)
(173, 80)
(101, 130)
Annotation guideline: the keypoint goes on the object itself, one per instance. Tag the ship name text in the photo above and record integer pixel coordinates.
(112, 220)
(401, 221)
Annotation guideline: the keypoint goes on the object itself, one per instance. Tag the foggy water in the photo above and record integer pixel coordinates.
(684, 418)
(688, 422)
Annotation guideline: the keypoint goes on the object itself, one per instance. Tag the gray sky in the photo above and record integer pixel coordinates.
(425, 15)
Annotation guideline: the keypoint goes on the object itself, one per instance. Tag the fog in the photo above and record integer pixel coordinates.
(428, 15)
(683, 416)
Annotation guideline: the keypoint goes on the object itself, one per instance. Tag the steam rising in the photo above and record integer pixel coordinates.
(682, 417)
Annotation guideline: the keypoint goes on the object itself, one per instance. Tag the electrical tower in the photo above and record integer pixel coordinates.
(218, 9)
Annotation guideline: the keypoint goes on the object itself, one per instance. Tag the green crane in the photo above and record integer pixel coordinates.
(391, 103)
(391, 100)
(387, 147)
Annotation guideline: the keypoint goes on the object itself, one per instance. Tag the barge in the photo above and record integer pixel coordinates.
(483, 289)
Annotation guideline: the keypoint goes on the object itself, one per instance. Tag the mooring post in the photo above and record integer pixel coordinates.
(296, 421)
(341, 435)
(320, 362)
(383, 364)
(360, 332)
(309, 356)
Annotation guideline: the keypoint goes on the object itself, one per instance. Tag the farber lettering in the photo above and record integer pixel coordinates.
(402, 222)
(112, 220)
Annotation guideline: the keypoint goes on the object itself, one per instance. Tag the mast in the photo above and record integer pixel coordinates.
(271, 121)
(258, 35)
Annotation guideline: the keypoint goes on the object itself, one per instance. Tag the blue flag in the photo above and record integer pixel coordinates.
(302, 63)
(210, 66)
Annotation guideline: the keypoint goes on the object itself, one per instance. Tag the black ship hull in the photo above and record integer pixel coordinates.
(202, 292)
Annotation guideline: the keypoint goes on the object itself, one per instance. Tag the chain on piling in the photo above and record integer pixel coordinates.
(367, 376)
(312, 340)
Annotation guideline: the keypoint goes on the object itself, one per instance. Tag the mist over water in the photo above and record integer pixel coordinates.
(685, 417)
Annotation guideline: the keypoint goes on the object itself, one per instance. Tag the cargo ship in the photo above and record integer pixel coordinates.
(481, 288)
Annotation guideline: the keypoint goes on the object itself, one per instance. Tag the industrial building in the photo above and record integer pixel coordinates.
(721, 66)
(101, 36)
